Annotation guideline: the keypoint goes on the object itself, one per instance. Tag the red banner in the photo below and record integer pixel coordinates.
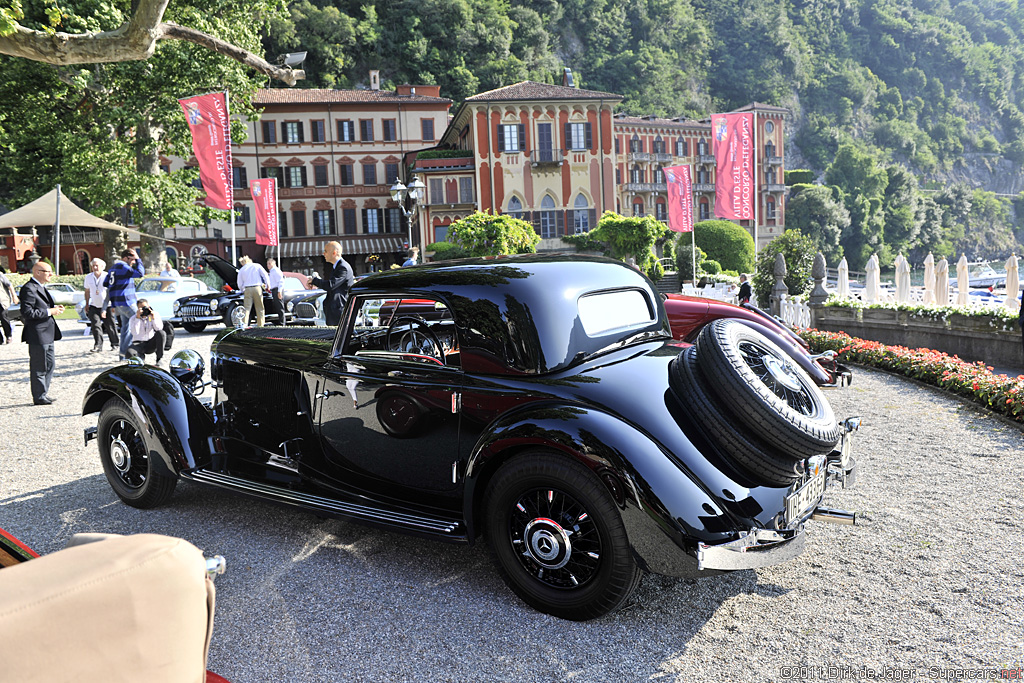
(680, 198)
(264, 194)
(733, 140)
(208, 120)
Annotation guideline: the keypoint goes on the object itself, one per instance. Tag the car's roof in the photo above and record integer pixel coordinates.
(525, 308)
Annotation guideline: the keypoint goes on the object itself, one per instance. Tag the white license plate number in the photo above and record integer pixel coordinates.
(808, 495)
(189, 319)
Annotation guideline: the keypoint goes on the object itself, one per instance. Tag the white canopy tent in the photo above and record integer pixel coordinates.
(54, 209)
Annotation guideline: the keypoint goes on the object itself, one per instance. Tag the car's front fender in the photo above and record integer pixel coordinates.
(656, 498)
(176, 424)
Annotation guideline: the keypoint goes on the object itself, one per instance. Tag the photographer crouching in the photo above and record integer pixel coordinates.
(147, 332)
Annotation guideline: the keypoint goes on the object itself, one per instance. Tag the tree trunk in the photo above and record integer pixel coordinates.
(147, 161)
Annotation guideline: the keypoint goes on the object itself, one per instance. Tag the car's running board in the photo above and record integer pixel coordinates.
(430, 525)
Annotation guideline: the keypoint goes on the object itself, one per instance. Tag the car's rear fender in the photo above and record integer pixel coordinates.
(655, 497)
(176, 424)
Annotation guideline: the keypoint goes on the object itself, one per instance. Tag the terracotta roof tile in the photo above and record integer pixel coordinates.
(325, 96)
(531, 90)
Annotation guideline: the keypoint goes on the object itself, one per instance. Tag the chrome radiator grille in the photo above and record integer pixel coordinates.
(194, 310)
(304, 309)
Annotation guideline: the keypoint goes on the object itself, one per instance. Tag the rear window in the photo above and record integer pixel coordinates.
(604, 312)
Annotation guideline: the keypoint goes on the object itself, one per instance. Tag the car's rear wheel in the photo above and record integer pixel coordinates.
(558, 537)
(127, 461)
(235, 316)
(194, 327)
(743, 450)
(760, 384)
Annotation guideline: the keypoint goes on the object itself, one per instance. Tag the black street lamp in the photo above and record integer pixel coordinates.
(415, 191)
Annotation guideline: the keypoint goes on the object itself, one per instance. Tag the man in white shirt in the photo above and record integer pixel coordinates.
(96, 306)
(147, 332)
(169, 272)
(275, 277)
(252, 278)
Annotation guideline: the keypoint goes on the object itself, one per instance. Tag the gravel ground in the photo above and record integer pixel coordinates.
(928, 584)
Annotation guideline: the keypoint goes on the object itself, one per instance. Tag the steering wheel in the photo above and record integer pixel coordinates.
(412, 335)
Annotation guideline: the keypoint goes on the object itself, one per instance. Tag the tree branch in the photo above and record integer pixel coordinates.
(133, 41)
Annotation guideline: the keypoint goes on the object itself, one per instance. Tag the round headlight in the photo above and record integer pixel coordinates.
(213, 305)
(188, 367)
(291, 305)
(176, 306)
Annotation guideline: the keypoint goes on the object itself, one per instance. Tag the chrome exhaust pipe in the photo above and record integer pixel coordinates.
(832, 516)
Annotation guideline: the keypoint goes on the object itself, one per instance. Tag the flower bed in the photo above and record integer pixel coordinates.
(975, 381)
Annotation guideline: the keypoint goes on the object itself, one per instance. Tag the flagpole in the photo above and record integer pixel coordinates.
(56, 236)
(231, 184)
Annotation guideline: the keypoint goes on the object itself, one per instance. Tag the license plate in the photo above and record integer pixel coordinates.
(189, 319)
(807, 496)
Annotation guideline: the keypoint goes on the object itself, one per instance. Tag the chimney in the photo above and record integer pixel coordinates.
(374, 79)
(567, 79)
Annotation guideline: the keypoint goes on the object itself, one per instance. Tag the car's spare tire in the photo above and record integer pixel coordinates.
(761, 385)
(741, 449)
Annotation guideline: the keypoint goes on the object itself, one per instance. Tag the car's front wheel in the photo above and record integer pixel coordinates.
(127, 461)
(558, 537)
(194, 327)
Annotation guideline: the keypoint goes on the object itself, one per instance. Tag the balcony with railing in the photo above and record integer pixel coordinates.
(645, 187)
(773, 187)
(546, 157)
(703, 187)
(773, 160)
(638, 156)
(661, 157)
(705, 158)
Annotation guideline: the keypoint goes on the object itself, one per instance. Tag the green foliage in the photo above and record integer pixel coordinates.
(482, 234)
(445, 251)
(725, 242)
(799, 252)
(684, 261)
(625, 237)
(814, 212)
(712, 267)
(799, 176)
(445, 154)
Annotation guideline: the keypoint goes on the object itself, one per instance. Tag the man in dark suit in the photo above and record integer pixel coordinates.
(336, 282)
(41, 330)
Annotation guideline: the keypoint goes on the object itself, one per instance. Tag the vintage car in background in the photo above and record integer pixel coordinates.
(161, 293)
(689, 314)
(194, 313)
(543, 404)
(65, 293)
(107, 608)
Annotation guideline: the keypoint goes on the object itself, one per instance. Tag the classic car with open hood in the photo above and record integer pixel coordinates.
(537, 401)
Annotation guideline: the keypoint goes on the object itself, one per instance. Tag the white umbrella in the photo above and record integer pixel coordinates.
(843, 283)
(929, 280)
(963, 281)
(1012, 283)
(942, 283)
(873, 283)
(902, 279)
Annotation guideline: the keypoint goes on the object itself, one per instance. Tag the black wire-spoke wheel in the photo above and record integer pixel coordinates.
(557, 540)
(765, 390)
(779, 376)
(558, 537)
(127, 461)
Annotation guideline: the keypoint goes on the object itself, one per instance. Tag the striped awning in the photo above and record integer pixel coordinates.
(384, 244)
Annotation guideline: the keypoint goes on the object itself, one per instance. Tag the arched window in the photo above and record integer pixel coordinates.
(515, 208)
(580, 215)
(636, 174)
(548, 218)
(681, 147)
(769, 209)
(659, 145)
(638, 207)
(636, 144)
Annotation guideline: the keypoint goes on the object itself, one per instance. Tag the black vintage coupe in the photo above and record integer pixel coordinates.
(542, 403)
(195, 312)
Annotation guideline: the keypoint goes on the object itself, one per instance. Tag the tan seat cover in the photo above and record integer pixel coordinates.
(127, 608)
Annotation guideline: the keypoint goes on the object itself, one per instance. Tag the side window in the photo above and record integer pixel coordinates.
(419, 331)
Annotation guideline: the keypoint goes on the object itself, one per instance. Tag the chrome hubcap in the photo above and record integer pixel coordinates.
(548, 543)
(778, 370)
(120, 456)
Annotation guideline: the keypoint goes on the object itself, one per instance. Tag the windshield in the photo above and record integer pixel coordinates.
(157, 286)
(291, 283)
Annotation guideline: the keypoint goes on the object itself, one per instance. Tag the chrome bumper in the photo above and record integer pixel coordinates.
(765, 547)
(178, 320)
(753, 549)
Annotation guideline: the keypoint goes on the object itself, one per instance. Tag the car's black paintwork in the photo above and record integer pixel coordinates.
(293, 411)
